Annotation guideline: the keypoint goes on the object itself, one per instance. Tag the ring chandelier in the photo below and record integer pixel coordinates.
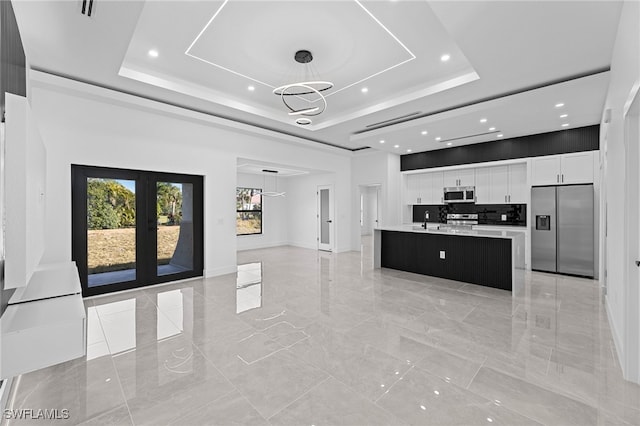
(302, 89)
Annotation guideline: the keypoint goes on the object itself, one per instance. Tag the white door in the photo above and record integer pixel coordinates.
(437, 188)
(518, 190)
(325, 217)
(545, 170)
(499, 184)
(450, 178)
(483, 185)
(467, 177)
(577, 168)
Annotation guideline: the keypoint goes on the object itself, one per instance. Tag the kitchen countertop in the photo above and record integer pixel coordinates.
(418, 229)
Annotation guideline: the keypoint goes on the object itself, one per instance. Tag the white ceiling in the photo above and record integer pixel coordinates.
(505, 60)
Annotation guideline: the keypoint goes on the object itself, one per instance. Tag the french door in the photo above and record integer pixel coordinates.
(134, 228)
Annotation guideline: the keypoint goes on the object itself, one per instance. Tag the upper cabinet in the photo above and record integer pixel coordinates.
(501, 184)
(462, 177)
(562, 169)
(424, 188)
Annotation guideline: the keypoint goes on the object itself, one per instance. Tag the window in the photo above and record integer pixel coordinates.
(249, 211)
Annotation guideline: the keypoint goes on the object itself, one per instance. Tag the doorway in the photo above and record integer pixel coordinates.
(325, 217)
(134, 228)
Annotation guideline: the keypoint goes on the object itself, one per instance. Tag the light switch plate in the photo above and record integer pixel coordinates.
(442, 254)
(503, 217)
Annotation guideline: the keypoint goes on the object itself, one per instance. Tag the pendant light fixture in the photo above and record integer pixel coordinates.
(304, 98)
(264, 184)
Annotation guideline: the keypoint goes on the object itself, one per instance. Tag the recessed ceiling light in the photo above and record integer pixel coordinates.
(560, 105)
(564, 115)
(153, 53)
(396, 146)
(491, 129)
(445, 57)
(424, 132)
(483, 120)
(251, 88)
(408, 150)
(438, 138)
(381, 140)
(565, 125)
(499, 135)
(449, 143)
(303, 121)
(364, 89)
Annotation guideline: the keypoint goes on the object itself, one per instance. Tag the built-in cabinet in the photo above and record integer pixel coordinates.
(563, 169)
(501, 184)
(425, 188)
(462, 177)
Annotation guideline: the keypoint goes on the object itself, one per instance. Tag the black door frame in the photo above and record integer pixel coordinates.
(146, 225)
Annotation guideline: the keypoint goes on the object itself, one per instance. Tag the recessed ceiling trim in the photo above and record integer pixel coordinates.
(411, 55)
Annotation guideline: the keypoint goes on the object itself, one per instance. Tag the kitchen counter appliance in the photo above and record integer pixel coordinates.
(460, 194)
(562, 235)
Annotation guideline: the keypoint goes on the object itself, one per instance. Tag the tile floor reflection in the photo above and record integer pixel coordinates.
(324, 338)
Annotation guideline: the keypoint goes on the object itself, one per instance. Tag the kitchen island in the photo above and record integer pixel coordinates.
(489, 258)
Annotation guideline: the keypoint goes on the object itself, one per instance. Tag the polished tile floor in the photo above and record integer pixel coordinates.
(304, 337)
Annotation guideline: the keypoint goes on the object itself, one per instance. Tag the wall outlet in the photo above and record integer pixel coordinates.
(442, 254)
(503, 217)
(426, 215)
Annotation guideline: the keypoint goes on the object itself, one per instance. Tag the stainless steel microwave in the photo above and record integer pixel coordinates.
(460, 194)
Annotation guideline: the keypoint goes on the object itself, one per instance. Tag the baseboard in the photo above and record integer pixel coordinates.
(223, 270)
(303, 245)
(617, 340)
(264, 245)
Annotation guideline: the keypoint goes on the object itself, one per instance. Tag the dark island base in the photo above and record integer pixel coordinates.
(477, 260)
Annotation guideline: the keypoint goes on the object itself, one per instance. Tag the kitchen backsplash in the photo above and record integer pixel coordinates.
(488, 214)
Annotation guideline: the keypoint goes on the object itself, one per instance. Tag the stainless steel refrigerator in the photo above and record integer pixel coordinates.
(562, 229)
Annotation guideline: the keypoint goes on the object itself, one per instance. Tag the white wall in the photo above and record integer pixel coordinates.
(625, 72)
(376, 168)
(84, 124)
(274, 212)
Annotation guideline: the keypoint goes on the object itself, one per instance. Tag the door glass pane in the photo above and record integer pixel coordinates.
(324, 216)
(111, 231)
(174, 206)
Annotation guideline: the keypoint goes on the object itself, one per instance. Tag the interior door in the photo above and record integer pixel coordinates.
(325, 217)
(134, 228)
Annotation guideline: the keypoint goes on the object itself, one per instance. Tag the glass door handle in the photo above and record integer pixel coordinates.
(638, 263)
(329, 221)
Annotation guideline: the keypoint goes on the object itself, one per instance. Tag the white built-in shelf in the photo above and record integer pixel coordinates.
(47, 281)
(41, 333)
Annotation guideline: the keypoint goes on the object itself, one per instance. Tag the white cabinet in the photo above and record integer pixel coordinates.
(483, 185)
(424, 188)
(577, 168)
(518, 188)
(562, 169)
(501, 184)
(437, 188)
(462, 177)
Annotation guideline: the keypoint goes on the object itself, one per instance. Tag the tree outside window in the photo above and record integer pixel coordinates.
(248, 211)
